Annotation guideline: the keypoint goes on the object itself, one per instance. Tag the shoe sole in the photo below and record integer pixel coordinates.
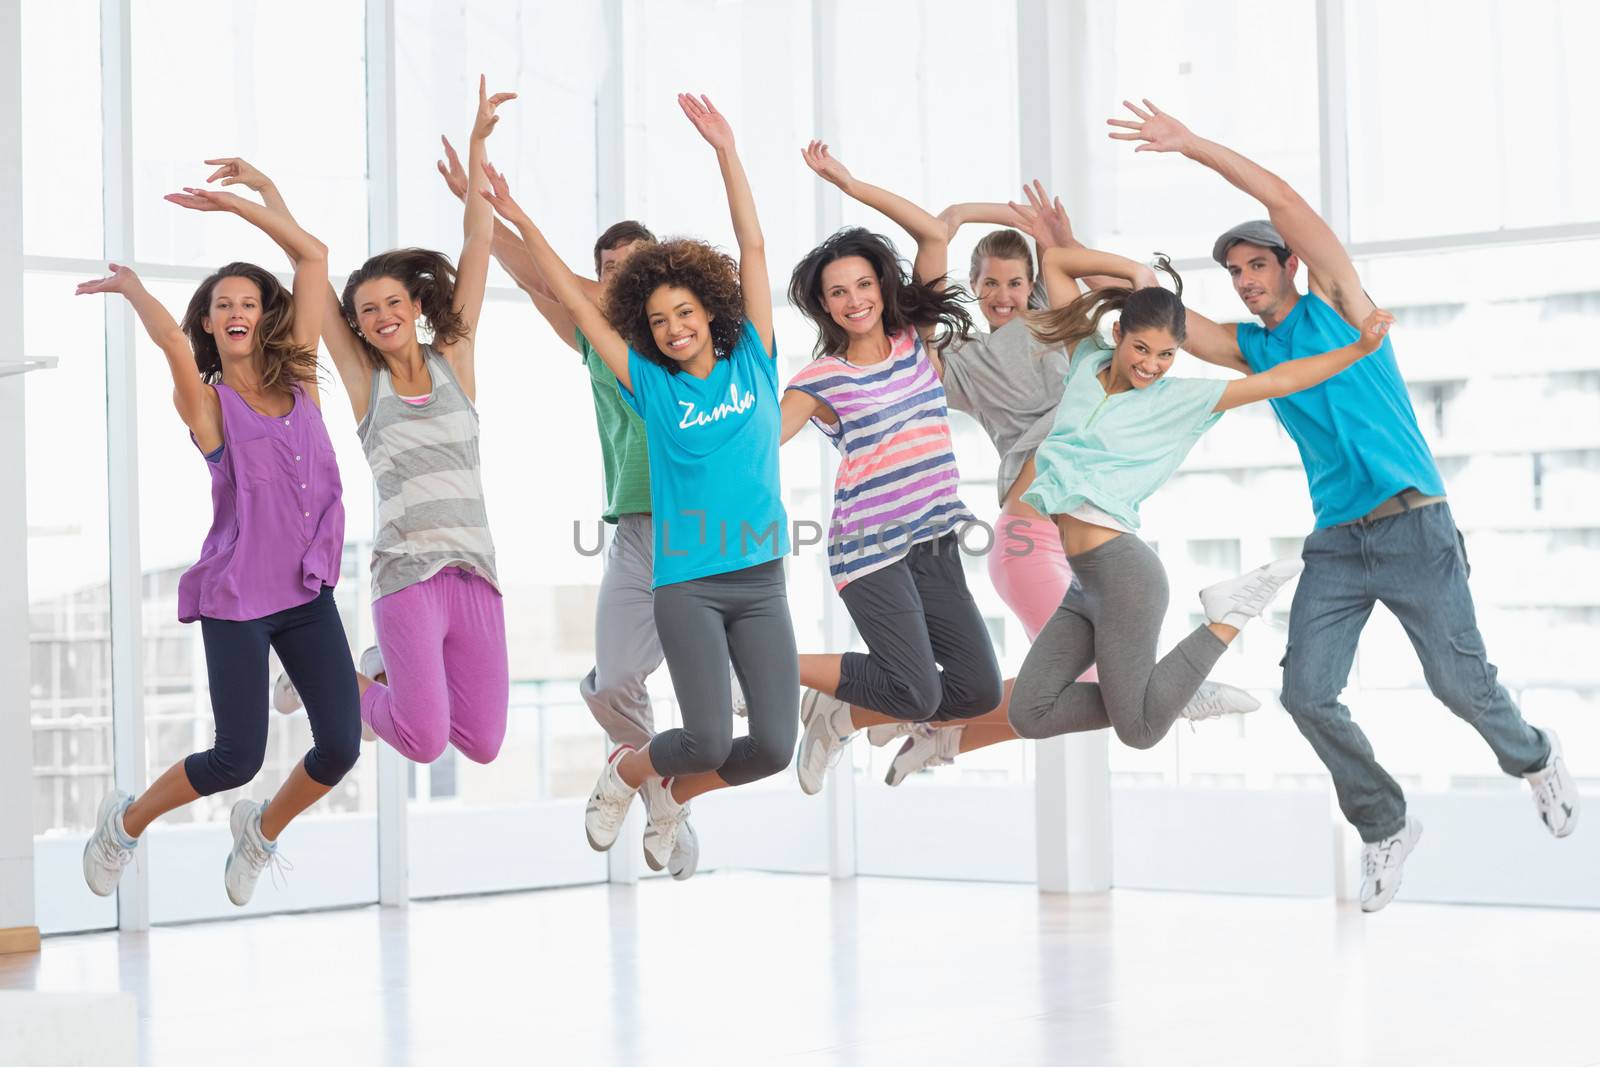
(1390, 898)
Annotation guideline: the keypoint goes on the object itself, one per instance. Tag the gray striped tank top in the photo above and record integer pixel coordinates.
(424, 459)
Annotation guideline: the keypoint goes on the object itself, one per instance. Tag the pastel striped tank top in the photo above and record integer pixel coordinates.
(897, 482)
(424, 460)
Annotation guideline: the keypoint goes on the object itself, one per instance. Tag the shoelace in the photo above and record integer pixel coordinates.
(259, 857)
(612, 809)
(1547, 788)
(108, 852)
(1255, 593)
(1380, 859)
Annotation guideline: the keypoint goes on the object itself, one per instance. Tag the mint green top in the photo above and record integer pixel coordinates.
(1114, 451)
(623, 452)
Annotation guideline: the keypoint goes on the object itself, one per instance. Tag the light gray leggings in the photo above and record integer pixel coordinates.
(1110, 617)
(742, 616)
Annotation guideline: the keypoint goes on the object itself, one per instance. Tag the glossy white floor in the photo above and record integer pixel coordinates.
(741, 968)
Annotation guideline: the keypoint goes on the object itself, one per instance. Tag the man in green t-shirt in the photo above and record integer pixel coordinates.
(627, 647)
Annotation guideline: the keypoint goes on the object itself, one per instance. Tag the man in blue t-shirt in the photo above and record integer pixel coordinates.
(1384, 532)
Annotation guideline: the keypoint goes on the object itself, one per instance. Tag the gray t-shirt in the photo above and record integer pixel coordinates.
(1011, 384)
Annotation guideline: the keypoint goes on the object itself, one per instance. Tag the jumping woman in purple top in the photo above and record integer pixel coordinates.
(244, 376)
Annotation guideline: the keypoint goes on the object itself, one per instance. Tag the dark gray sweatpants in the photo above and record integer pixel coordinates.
(1110, 617)
(742, 615)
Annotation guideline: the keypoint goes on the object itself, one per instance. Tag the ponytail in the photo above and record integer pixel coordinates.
(1069, 326)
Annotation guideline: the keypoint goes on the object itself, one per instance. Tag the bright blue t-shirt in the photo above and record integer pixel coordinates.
(1357, 433)
(714, 488)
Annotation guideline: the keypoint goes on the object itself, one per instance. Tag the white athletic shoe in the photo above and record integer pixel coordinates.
(1383, 862)
(251, 853)
(883, 733)
(1214, 699)
(665, 818)
(108, 851)
(608, 804)
(285, 697)
(828, 731)
(740, 708)
(371, 665)
(1238, 600)
(1555, 794)
(927, 746)
(685, 854)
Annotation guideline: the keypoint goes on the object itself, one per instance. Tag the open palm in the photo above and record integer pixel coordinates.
(826, 167)
(1160, 131)
(711, 123)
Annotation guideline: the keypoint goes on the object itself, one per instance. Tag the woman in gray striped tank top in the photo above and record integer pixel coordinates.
(438, 674)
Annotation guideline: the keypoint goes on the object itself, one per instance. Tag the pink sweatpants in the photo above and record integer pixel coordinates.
(1029, 570)
(444, 651)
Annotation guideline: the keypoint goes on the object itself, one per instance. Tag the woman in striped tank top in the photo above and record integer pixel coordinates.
(244, 381)
(893, 552)
(438, 674)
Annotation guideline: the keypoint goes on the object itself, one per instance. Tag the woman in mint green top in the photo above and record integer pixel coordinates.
(1121, 429)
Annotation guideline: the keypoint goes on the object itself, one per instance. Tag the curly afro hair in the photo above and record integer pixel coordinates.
(712, 276)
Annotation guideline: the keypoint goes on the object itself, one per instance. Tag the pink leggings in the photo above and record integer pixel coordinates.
(1029, 570)
(444, 651)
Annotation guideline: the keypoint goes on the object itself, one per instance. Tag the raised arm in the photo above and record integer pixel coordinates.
(931, 234)
(1214, 343)
(567, 286)
(477, 224)
(753, 280)
(1333, 275)
(344, 347)
(508, 250)
(1293, 375)
(309, 256)
(196, 401)
(1062, 266)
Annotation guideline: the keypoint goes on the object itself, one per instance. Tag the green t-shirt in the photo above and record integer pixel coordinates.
(623, 451)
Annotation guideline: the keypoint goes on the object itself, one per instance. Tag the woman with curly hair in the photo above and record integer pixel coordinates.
(244, 381)
(688, 333)
(438, 674)
(893, 547)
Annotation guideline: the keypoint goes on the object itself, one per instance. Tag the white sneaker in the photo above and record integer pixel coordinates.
(685, 854)
(251, 852)
(371, 665)
(1238, 600)
(1554, 792)
(285, 697)
(926, 746)
(883, 733)
(109, 850)
(665, 818)
(1382, 863)
(828, 731)
(1214, 699)
(740, 708)
(608, 804)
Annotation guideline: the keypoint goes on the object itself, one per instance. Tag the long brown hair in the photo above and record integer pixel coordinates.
(906, 302)
(1066, 327)
(430, 280)
(284, 364)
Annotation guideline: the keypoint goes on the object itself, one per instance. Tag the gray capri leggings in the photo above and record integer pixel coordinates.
(1111, 617)
(742, 615)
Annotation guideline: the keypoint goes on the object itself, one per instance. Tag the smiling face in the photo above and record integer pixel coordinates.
(234, 317)
(1261, 281)
(1002, 289)
(386, 315)
(851, 293)
(1142, 356)
(679, 323)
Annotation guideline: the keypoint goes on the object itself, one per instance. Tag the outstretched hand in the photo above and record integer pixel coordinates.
(486, 119)
(1054, 228)
(711, 123)
(204, 199)
(120, 280)
(1160, 131)
(826, 167)
(1374, 328)
(455, 175)
(235, 171)
(498, 194)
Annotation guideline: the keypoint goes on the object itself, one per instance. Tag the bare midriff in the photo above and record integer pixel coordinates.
(1078, 537)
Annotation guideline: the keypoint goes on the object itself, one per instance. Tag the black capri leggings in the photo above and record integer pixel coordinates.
(310, 641)
(917, 617)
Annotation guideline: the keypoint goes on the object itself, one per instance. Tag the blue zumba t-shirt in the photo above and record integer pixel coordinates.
(1357, 433)
(714, 487)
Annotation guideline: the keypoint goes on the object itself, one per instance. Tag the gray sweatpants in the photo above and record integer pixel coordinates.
(1110, 617)
(626, 647)
(742, 616)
